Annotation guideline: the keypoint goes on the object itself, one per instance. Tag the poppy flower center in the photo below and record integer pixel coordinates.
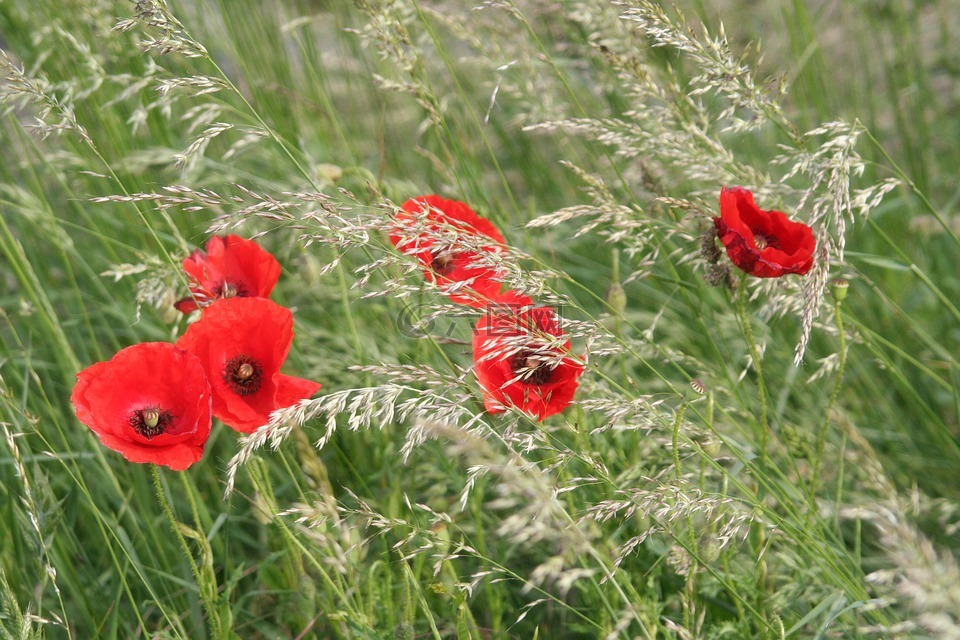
(531, 368)
(230, 290)
(443, 265)
(763, 241)
(150, 421)
(243, 375)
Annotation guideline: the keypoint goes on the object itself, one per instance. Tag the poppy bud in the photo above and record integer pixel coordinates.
(708, 549)
(403, 631)
(720, 275)
(709, 445)
(329, 173)
(616, 297)
(168, 312)
(311, 269)
(708, 245)
(304, 599)
(226, 616)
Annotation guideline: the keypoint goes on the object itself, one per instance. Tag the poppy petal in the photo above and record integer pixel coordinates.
(230, 266)
(115, 399)
(242, 343)
(449, 266)
(533, 382)
(291, 390)
(764, 244)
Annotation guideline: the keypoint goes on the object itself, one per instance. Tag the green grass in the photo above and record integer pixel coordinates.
(765, 508)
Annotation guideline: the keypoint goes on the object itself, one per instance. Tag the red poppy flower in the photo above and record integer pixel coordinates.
(242, 343)
(231, 266)
(440, 226)
(522, 360)
(149, 402)
(765, 244)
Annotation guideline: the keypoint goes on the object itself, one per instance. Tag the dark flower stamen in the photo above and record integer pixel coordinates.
(230, 289)
(442, 265)
(243, 375)
(150, 421)
(531, 367)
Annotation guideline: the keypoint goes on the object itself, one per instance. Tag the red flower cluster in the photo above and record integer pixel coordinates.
(520, 355)
(765, 244)
(152, 402)
(441, 228)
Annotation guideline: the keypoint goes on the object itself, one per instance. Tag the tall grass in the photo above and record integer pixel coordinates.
(753, 460)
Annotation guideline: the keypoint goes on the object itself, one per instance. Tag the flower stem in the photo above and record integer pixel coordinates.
(676, 437)
(209, 607)
(757, 531)
(822, 434)
(755, 358)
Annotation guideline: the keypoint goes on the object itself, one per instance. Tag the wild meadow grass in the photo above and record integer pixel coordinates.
(754, 459)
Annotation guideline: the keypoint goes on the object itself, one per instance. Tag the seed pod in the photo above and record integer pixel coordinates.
(839, 286)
